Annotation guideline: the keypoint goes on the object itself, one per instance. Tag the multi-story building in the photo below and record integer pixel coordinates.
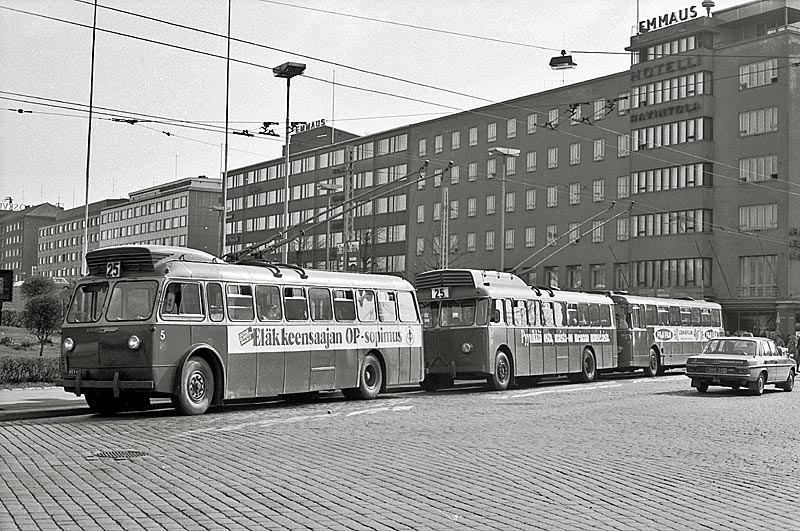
(61, 242)
(676, 178)
(186, 212)
(19, 231)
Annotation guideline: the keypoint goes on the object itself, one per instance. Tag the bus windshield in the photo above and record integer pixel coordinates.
(449, 313)
(132, 301)
(87, 303)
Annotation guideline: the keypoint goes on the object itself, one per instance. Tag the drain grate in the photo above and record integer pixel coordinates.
(121, 454)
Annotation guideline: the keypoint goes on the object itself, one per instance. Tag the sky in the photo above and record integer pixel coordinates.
(372, 65)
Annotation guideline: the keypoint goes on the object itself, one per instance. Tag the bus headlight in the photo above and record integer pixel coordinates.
(134, 342)
(466, 348)
(69, 344)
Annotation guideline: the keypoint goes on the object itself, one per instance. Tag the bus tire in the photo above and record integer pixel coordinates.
(654, 366)
(501, 377)
(370, 379)
(196, 387)
(588, 367)
(104, 403)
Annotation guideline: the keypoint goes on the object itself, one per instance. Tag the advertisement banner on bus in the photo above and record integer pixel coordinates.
(242, 339)
(685, 334)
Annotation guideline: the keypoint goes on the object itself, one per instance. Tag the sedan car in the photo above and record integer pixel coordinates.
(741, 361)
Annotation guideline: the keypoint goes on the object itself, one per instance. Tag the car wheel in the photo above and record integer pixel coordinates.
(196, 387)
(788, 385)
(502, 372)
(702, 387)
(588, 367)
(654, 366)
(757, 387)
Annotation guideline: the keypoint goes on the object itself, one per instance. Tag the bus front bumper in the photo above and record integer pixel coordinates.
(77, 384)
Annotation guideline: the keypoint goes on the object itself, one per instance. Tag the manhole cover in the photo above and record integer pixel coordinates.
(121, 454)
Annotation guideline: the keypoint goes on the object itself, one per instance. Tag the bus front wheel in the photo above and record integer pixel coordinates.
(502, 372)
(196, 387)
(654, 366)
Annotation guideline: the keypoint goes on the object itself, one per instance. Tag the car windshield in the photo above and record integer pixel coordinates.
(740, 347)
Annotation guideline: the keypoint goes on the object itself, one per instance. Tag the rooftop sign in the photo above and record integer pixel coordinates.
(667, 19)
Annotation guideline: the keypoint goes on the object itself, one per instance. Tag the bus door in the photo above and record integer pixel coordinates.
(625, 336)
(639, 340)
(270, 362)
(297, 355)
(244, 342)
(533, 337)
(554, 338)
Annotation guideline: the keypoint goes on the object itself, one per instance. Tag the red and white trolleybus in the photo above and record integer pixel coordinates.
(154, 321)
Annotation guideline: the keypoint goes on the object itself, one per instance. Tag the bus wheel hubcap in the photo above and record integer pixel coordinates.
(196, 386)
(502, 370)
(370, 376)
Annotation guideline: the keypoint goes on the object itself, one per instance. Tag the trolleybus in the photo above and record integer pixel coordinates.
(155, 321)
(658, 333)
(487, 324)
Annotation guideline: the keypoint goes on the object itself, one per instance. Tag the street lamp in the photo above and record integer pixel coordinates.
(288, 71)
(328, 187)
(505, 153)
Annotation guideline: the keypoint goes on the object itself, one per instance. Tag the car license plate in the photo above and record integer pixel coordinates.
(719, 370)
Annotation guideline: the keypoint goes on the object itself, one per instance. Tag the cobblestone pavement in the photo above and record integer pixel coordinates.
(617, 454)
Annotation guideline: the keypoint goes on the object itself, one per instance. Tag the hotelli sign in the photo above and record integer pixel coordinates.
(667, 19)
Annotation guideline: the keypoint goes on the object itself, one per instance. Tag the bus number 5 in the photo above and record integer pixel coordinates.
(440, 293)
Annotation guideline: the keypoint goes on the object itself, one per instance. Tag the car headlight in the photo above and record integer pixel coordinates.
(134, 342)
(466, 348)
(69, 344)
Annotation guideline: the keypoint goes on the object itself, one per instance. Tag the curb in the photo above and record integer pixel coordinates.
(31, 414)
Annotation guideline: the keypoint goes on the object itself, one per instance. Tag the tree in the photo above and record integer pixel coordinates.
(42, 316)
(36, 286)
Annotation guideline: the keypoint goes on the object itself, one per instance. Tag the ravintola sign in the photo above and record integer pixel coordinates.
(667, 19)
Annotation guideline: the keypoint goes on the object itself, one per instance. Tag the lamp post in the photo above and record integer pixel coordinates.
(288, 71)
(504, 153)
(328, 187)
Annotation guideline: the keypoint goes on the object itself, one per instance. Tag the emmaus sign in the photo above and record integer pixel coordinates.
(667, 19)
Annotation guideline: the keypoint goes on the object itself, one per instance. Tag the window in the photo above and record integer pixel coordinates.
(757, 169)
(530, 199)
(530, 236)
(624, 103)
(438, 144)
(511, 128)
(472, 171)
(455, 140)
(574, 154)
(574, 277)
(454, 175)
(420, 246)
(509, 239)
(294, 304)
(597, 232)
(471, 236)
(491, 168)
(268, 303)
(599, 109)
(597, 274)
(552, 196)
(454, 209)
(574, 193)
(532, 123)
(134, 301)
(511, 199)
(552, 157)
(472, 207)
(756, 276)
(623, 146)
(530, 161)
(623, 232)
(240, 302)
(490, 240)
(574, 232)
(420, 213)
(490, 201)
(423, 149)
(473, 136)
(623, 186)
(387, 306)
(552, 118)
(491, 132)
(598, 149)
(758, 122)
(319, 302)
(552, 234)
(758, 74)
(598, 188)
(407, 307)
(758, 217)
(437, 211)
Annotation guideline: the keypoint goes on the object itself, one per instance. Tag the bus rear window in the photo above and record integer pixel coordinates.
(132, 301)
(87, 303)
(407, 306)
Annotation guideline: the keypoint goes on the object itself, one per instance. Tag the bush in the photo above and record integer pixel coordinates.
(25, 370)
(12, 318)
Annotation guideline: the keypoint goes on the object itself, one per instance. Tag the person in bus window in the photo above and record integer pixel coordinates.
(172, 300)
(273, 312)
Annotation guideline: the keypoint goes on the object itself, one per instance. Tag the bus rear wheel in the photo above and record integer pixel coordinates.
(370, 380)
(654, 366)
(501, 378)
(588, 367)
(196, 387)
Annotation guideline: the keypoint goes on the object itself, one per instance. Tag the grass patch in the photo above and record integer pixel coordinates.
(20, 363)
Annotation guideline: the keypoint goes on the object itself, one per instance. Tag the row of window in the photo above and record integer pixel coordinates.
(668, 273)
(144, 210)
(676, 88)
(665, 224)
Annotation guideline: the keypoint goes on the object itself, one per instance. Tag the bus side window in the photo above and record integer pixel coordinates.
(407, 307)
(387, 307)
(605, 315)
(663, 316)
(366, 305)
(481, 312)
(705, 317)
(635, 316)
(497, 312)
(560, 313)
(240, 302)
(621, 317)
(686, 316)
(651, 315)
(594, 315)
(268, 303)
(319, 300)
(344, 306)
(216, 310)
(548, 317)
(172, 299)
(192, 303)
(572, 314)
(532, 307)
(583, 314)
(520, 313)
(674, 316)
(716, 317)
(696, 319)
(294, 304)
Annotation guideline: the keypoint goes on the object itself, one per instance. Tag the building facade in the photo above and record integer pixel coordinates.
(674, 178)
(19, 236)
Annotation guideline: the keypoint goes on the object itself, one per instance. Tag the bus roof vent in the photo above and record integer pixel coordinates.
(445, 277)
(140, 258)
